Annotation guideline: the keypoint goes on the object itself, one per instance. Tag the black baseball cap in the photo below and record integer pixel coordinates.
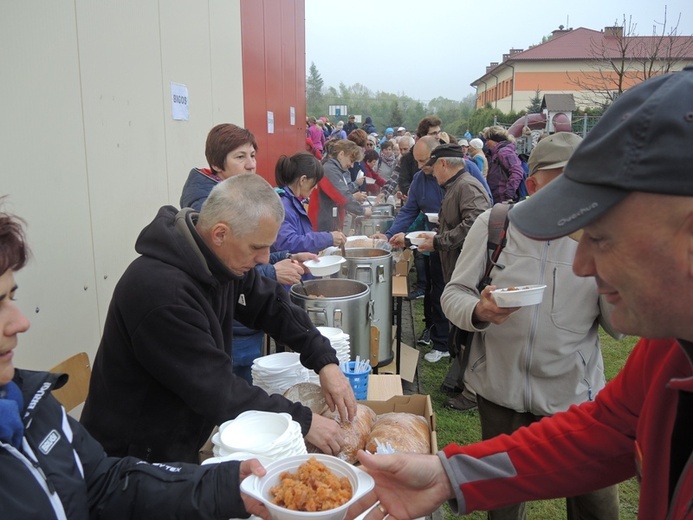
(643, 143)
(445, 150)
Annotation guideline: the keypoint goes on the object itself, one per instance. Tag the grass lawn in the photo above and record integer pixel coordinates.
(464, 427)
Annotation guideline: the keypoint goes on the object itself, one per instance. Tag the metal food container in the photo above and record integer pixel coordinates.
(374, 224)
(340, 303)
(387, 210)
(373, 267)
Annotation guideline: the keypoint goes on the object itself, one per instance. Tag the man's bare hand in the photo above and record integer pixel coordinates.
(253, 506)
(487, 310)
(325, 434)
(288, 272)
(397, 240)
(338, 392)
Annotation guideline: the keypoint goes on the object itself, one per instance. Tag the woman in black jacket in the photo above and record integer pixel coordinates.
(50, 467)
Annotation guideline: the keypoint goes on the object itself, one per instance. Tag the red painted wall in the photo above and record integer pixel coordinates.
(274, 77)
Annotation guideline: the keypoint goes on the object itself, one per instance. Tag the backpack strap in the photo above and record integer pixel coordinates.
(497, 231)
(497, 238)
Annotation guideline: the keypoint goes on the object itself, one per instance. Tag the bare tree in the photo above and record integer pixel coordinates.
(621, 58)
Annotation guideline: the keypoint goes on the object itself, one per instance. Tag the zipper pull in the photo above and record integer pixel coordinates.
(38, 468)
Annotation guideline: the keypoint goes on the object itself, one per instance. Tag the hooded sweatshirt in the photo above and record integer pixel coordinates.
(162, 377)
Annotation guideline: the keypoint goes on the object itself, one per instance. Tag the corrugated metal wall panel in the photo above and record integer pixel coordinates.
(91, 146)
(273, 35)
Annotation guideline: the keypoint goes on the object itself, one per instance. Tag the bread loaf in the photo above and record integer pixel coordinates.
(355, 432)
(405, 432)
(308, 394)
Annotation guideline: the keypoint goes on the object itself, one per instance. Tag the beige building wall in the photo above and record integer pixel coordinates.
(89, 145)
(527, 76)
(551, 77)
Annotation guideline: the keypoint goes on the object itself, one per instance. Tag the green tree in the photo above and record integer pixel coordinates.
(396, 117)
(534, 106)
(315, 102)
(484, 117)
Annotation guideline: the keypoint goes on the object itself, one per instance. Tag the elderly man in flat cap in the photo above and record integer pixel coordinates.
(464, 199)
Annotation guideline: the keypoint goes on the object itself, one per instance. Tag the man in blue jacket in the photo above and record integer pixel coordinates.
(426, 196)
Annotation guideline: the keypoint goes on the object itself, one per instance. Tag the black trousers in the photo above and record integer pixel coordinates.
(435, 284)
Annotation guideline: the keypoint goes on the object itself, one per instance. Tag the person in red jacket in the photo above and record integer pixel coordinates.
(370, 159)
(628, 199)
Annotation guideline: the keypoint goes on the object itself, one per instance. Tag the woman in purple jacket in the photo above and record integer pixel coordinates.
(505, 173)
(296, 178)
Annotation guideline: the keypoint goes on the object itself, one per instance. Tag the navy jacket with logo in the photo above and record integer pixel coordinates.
(61, 472)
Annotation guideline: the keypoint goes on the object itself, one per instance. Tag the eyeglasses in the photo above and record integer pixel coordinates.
(370, 145)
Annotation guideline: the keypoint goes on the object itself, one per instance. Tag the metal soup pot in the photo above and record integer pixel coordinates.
(374, 224)
(387, 210)
(373, 267)
(344, 304)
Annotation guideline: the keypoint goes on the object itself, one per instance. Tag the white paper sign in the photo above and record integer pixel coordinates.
(180, 102)
(292, 115)
(270, 122)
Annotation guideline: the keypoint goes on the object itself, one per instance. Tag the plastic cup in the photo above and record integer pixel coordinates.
(358, 381)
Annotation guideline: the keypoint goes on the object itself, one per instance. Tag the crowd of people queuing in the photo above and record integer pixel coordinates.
(607, 229)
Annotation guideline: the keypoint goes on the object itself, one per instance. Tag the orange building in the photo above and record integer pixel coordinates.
(578, 62)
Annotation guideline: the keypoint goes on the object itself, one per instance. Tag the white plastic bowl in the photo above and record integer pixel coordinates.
(259, 487)
(239, 455)
(325, 265)
(278, 362)
(519, 296)
(256, 432)
(432, 217)
(417, 237)
(356, 237)
(331, 332)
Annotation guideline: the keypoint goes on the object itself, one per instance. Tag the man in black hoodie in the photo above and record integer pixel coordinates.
(50, 467)
(162, 377)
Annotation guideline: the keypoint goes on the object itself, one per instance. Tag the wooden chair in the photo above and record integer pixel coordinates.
(75, 391)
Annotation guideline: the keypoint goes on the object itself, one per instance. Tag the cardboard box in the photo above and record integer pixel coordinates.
(417, 404)
(407, 367)
(403, 263)
(383, 386)
(207, 450)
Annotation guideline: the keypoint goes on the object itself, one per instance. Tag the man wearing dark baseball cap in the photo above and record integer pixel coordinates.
(629, 187)
(522, 363)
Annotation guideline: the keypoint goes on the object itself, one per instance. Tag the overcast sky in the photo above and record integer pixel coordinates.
(428, 49)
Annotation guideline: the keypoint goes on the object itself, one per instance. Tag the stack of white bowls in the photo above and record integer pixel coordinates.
(266, 436)
(276, 373)
(339, 341)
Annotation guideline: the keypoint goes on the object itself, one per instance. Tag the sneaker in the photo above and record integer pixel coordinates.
(425, 338)
(460, 402)
(416, 294)
(436, 355)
